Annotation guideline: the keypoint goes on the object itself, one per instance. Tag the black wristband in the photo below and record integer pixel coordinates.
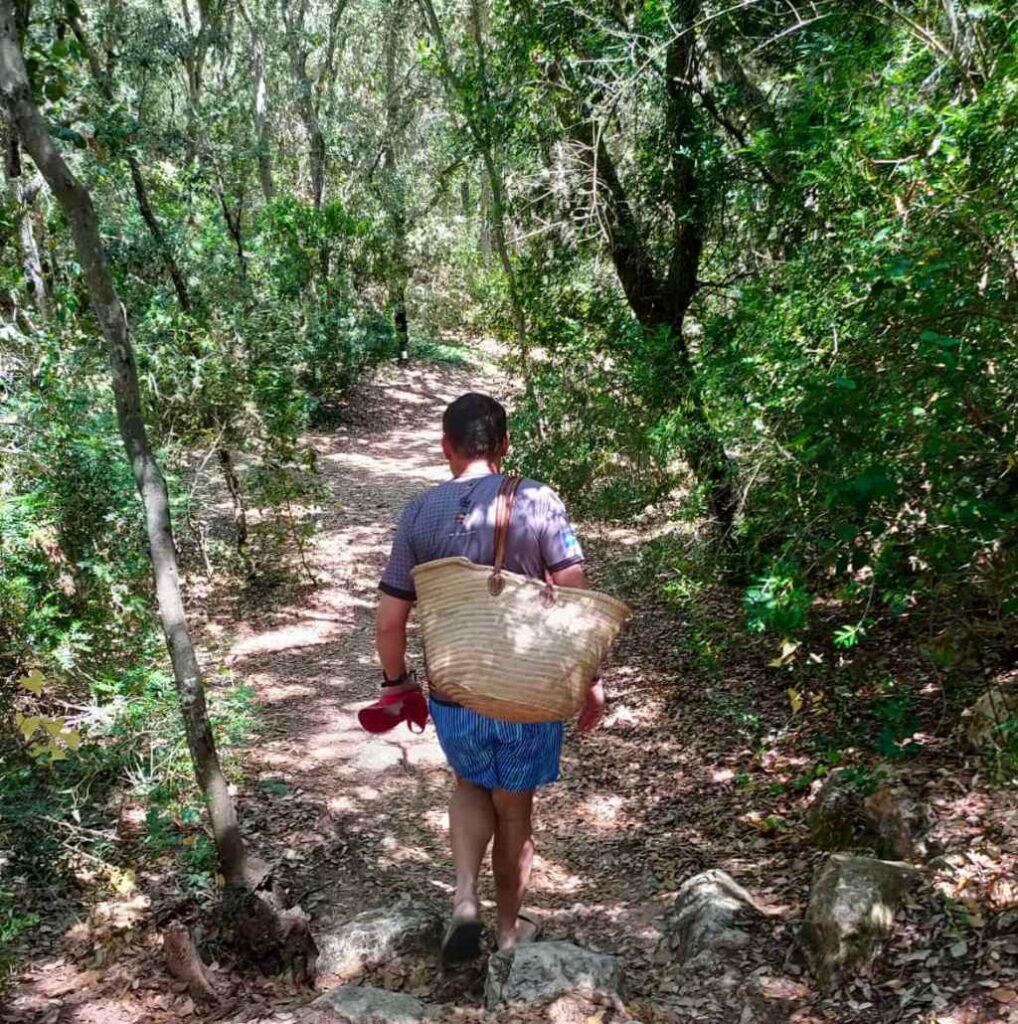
(386, 681)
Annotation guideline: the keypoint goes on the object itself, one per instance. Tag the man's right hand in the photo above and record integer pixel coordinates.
(593, 708)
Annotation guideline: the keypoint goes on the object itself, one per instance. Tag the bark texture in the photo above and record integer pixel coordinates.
(263, 127)
(254, 902)
(23, 194)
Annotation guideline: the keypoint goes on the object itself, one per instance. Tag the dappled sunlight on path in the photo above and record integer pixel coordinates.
(362, 819)
(352, 812)
(694, 769)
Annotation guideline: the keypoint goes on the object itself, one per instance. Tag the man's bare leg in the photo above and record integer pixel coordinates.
(511, 859)
(471, 825)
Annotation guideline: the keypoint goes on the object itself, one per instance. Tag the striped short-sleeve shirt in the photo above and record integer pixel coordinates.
(457, 518)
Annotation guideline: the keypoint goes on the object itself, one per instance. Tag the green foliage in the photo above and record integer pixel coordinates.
(777, 602)
(894, 712)
(846, 234)
(587, 422)
(1007, 756)
(852, 337)
(74, 572)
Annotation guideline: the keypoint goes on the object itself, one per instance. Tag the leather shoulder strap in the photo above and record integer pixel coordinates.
(504, 503)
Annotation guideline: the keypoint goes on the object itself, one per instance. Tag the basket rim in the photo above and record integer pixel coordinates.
(424, 568)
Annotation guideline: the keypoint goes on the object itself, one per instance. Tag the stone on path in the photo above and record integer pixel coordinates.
(704, 917)
(982, 723)
(851, 908)
(357, 1003)
(543, 970)
(377, 935)
(843, 817)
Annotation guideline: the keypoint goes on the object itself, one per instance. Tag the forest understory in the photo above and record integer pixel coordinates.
(706, 760)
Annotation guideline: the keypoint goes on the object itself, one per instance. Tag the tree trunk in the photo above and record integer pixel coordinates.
(234, 219)
(156, 231)
(400, 322)
(262, 127)
(485, 226)
(393, 189)
(263, 130)
(497, 187)
(77, 205)
(704, 450)
(237, 497)
(298, 53)
(23, 195)
(26, 195)
(482, 138)
(316, 150)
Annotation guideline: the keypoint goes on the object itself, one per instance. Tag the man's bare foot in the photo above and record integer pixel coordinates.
(526, 929)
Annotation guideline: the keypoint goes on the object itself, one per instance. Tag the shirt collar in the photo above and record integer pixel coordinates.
(475, 471)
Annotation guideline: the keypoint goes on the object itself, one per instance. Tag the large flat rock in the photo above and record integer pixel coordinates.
(377, 935)
(543, 970)
(362, 1004)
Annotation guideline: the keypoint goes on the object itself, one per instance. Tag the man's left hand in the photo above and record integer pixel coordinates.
(593, 709)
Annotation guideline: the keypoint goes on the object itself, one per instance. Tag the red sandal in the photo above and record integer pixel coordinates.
(384, 714)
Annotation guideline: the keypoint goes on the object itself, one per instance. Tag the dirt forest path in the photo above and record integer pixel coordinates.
(363, 819)
(360, 817)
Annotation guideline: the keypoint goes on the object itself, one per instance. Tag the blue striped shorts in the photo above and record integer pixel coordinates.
(495, 754)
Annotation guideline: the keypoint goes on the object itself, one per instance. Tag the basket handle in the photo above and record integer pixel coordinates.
(504, 503)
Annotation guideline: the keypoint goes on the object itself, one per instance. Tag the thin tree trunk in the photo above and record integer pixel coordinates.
(497, 186)
(165, 250)
(393, 190)
(316, 155)
(483, 141)
(234, 219)
(237, 497)
(26, 194)
(193, 60)
(400, 322)
(77, 205)
(298, 53)
(485, 215)
(262, 126)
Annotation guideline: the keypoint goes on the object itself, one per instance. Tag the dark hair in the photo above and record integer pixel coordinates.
(475, 425)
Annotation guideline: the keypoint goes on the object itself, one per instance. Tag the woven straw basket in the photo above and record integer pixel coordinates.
(506, 645)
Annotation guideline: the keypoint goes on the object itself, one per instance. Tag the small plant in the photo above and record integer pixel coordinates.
(777, 602)
(848, 636)
(14, 922)
(1005, 756)
(682, 589)
(748, 724)
(863, 778)
(896, 718)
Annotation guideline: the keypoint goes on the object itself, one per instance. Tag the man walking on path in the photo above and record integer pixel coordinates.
(498, 764)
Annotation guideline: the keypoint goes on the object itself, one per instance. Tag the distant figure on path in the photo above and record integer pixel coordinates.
(498, 764)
